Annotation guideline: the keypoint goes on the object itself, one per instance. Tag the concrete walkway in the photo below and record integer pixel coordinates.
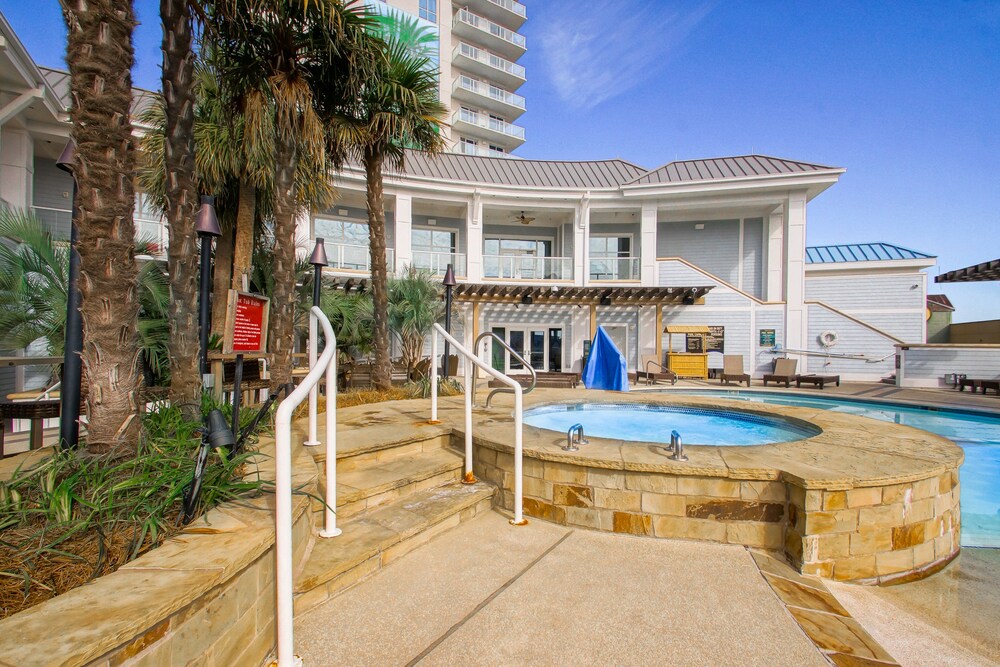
(486, 593)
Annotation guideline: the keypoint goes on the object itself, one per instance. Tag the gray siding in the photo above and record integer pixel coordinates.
(716, 248)
(753, 256)
(49, 185)
(868, 298)
(854, 339)
(927, 366)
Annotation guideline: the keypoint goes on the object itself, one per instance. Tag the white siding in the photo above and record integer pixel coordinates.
(768, 317)
(628, 316)
(894, 303)
(678, 274)
(716, 248)
(854, 339)
(753, 257)
(927, 366)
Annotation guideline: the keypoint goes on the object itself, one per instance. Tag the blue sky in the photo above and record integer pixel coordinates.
(905, 95)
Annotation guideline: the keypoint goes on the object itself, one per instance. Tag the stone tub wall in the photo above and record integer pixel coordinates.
(868, 535)
(877, 534)
(204, 597)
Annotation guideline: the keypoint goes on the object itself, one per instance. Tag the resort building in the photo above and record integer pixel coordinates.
(478, 49)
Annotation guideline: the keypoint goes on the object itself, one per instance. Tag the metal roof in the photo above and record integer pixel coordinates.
(860, 252)
(713, 169)
(978, 273)
(526, 173)
(939, 303)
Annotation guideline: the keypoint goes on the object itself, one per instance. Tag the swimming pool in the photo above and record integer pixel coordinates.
(654, 423)
(978, 434)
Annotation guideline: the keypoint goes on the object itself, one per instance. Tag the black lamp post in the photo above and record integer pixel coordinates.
(318, 260)
(69, 413)
(449, 282)
(207, 227)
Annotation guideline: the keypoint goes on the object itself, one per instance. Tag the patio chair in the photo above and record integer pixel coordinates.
(784, 371)
(653, 371)
(732, 369)
(421, 369)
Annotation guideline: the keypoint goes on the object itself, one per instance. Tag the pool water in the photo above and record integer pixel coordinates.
(653, 423)
(978, 434)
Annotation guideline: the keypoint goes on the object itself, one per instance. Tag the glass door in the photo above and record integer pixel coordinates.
(541, 347)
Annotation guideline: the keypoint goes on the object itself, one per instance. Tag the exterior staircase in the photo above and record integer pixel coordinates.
(394, 494)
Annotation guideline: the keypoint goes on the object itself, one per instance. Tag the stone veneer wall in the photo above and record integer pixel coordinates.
(204, 597)
(861, 534)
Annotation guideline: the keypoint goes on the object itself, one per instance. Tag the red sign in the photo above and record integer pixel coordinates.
(247, 330)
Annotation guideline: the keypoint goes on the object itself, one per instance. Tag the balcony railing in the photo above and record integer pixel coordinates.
(491, 59)
(476, 21)
(349, 257)
(437, 262)
(482, 151)
(481, 120)
(615, 268)
(511, 6)
(56, 220)
(526, 267)
(488, 90)
(153, 230)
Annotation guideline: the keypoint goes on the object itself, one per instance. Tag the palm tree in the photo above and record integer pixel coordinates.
(33, 280)
(100, 56)
(281, 52)
(399, 108)
(414, 306)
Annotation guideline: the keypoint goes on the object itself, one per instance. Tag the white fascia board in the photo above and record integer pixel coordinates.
(815, 182)
(882, 266)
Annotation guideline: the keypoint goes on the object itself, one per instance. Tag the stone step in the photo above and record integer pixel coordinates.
(374, 539)
(367, 487)
(379, 442)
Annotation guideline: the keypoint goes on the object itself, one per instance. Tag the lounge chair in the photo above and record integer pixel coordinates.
(784, 371)
(732, 369)
(653, 371)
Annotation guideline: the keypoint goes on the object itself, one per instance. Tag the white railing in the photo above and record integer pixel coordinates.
(354, 257)
(155, 230)
(469, 478)
(614, 268)
(511, 6)
(482, 151)
(527, 267)
(437, 262)
(482, 120)
(476, 21)
(56, 220)
(492, 60)
(284, 566)
(488, 90)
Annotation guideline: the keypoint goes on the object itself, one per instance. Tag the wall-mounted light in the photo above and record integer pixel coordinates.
(432, 221)
(700, 225)
(526, 299)
(343, 211)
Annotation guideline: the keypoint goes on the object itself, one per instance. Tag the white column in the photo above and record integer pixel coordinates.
(796, 332)
(474, 239)
(404, 227)
(775, 255)
(647, 251)
(17, 167)
(581, 243)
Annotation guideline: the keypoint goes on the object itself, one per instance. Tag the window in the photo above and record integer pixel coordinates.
(428, 10)
(610, 246)
(468, 146)
(346, 242)
(497, 149)
(433, 240)
(529, 247)
(610, 258)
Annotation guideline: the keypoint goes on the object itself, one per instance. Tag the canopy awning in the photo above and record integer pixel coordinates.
(971, 274)
(602, 295)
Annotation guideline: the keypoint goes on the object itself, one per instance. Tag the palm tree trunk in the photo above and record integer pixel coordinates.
(100, 56)
(246, 211)
(282, 320)
(221, 278)
(181, 201)
(382, 369)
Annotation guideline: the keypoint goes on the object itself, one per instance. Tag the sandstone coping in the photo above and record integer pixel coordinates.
(206, 595)
(863, 500)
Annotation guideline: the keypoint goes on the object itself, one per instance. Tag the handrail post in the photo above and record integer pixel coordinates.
(469, 478)
(313, 440)
(518, 519)
(434, 377)
(330, 510)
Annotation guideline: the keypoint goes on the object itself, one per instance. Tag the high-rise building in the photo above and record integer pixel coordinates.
(478, 50)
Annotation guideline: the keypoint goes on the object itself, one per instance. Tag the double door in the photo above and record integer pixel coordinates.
(540, 346)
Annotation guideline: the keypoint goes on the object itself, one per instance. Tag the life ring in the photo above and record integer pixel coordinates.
(828, 338)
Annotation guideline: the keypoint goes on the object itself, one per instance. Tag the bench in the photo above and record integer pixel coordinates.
(36, 411)
(251, 381)
(978, 384)
(545, 379)
(816, 380)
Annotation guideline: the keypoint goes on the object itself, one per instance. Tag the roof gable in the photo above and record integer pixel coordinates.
(715, 169)
(861, 252)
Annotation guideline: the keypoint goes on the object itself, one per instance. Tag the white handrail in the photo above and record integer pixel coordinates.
(283, 483)
(518, 519)
(832, 355)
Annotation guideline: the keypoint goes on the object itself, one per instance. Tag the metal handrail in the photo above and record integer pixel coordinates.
(327, 363)
(500, 390)
(518, 519)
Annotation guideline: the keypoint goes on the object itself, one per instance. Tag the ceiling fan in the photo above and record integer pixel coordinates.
(523, 219)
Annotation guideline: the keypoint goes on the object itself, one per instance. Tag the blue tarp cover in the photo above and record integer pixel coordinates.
(606, 368)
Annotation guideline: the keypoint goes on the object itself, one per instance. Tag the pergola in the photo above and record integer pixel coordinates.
(971, 274)
(591, 296)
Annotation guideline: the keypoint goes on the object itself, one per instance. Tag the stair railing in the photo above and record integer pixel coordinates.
(327, 363)
(518, 519)
(516, 355)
